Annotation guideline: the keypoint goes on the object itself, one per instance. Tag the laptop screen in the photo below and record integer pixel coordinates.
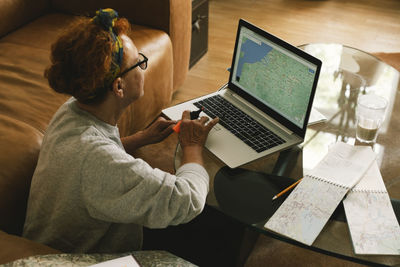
(273, 74)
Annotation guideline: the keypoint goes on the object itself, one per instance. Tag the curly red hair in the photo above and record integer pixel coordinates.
(81, 59)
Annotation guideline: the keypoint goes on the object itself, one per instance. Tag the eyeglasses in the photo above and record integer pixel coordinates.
(142, 64)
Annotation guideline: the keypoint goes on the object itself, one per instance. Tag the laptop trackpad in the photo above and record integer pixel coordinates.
(229, 148)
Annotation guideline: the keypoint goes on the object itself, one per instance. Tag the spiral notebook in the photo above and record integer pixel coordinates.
(309, 206)
(372, 222)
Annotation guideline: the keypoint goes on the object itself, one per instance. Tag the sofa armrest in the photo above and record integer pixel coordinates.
(172, 16)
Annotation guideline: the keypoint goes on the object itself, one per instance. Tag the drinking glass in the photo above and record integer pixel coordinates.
(370, 114)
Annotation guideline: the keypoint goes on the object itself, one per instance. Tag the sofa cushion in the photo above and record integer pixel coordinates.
(24, 54)
(25, 94)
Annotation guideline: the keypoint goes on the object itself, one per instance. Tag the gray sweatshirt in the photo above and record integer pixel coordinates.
(89, 195)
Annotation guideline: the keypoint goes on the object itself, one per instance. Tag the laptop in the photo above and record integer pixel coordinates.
(265, 106)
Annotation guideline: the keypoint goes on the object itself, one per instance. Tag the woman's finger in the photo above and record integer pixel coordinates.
(186, 115)
(203, 119)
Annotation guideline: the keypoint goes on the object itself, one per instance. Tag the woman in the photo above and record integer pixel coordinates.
(88, 194)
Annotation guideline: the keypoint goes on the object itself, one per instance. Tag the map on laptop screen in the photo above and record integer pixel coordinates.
(274, 76)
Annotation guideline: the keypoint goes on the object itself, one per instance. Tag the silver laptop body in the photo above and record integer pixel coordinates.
(271, 81)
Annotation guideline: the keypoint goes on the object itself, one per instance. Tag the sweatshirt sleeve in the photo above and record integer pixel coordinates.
(116, 187)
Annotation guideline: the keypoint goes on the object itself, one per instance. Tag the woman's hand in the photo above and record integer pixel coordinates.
(192, 137)
(195, 132)
(156, 132)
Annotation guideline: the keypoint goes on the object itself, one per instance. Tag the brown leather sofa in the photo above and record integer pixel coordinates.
(161, 30)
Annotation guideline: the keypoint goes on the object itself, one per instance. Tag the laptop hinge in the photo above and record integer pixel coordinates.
(277, 124)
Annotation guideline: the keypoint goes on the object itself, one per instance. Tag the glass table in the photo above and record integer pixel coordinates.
(346, 73)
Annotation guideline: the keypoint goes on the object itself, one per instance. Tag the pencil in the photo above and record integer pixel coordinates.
(287, 189)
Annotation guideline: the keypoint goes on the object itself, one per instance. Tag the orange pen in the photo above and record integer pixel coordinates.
(193, 115)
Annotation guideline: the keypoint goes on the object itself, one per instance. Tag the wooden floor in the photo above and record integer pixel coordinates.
(370, 25)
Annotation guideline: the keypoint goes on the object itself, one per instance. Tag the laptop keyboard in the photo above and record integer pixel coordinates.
(239, 123)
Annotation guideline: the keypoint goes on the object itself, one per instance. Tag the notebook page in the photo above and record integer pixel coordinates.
(372, 222)
(344, 165)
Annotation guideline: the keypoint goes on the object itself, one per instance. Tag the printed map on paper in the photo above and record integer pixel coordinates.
(372, 222)
(374, 228)
(306, 210)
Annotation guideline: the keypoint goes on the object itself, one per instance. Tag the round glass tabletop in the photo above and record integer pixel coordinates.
(346, 73)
